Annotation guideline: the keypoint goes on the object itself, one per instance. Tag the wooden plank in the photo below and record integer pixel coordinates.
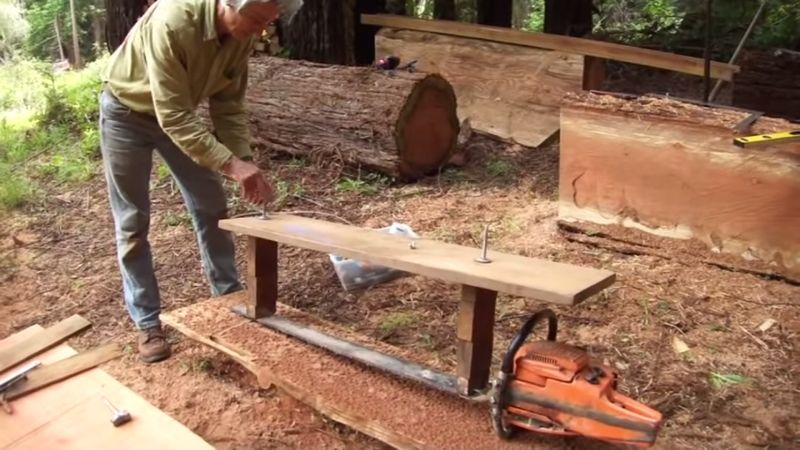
(403, 414)
(262, 277)
(517, 275)
(61, 370)
(475, 333)
(670, 169)
(42, 341)
(567, 44)
(504, 90)
(70, 415)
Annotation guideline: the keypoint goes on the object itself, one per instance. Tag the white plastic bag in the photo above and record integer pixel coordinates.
(355, 274)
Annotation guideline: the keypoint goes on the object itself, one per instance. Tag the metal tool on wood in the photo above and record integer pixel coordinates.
(483, 259)
(119, 417)
(18, 375)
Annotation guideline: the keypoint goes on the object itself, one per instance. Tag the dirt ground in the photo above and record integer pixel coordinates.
(735, 386)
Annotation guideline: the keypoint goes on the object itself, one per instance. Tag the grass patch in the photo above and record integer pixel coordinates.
(396, 321)
(499, 168)
(722, 380)
(370, 184)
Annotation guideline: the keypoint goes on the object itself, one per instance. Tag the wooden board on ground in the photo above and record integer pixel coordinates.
(670, 168)
(36, 342)
(509, 91)
(71, 414)
(400, 413)
(512, 274)
(569, 44)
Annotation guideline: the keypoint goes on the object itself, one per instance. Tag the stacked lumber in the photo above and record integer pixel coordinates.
(670, 168)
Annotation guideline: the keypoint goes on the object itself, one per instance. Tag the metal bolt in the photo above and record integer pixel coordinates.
(483, 259)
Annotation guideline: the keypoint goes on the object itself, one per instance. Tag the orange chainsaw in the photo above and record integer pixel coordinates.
(555, 388)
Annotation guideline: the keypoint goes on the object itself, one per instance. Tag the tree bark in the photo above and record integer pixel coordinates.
(402, 124)
(319, 32)
(121, 15)
(765, 78)
(444, 9)
(495, 12)
(76, 48)
(568, 17)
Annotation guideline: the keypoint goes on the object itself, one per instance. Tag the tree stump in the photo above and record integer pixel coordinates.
(401, 124)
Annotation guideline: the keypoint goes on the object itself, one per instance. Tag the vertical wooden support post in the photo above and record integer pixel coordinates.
(594, 73)
(262, 277)
(475, 333)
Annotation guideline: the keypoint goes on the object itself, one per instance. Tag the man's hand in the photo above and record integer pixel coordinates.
(253, 184)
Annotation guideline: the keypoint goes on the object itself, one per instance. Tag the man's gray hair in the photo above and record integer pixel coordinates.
(288, 8)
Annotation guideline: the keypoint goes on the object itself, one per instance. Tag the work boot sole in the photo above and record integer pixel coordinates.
(156, 357)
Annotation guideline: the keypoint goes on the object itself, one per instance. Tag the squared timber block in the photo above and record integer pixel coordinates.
(670, 168)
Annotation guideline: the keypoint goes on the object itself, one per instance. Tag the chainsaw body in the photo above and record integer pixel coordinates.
(555, 388)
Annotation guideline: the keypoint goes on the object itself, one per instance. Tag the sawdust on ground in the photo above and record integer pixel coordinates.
(736, 387)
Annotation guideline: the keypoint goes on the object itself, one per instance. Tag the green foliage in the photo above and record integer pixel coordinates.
(369, 184)
(48, 129)
(13, 28)
(42, 14)
(635, 21)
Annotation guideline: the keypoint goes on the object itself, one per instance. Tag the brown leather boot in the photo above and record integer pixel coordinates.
(153, 345)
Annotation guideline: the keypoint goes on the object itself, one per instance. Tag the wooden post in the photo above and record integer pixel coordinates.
(262, 277)
(475, 333)
(594, 73)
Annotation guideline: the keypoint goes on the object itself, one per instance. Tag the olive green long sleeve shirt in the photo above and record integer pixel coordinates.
(171, 61)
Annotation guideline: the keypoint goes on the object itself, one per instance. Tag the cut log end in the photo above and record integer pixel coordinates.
(427, 128)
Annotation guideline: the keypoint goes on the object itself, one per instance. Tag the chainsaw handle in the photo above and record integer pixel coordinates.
(519, 339)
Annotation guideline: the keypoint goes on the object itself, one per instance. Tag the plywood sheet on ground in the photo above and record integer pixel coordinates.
(670, 168)
(505, 90)
(71, 414)
(400, 413)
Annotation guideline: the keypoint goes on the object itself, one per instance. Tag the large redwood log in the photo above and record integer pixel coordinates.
(505, 90)
(670, 168)
(402, 124)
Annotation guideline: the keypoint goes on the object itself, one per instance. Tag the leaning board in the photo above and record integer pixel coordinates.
(511, 274)
(71, 414)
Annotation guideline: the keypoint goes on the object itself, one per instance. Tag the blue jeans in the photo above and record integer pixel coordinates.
(127, 141)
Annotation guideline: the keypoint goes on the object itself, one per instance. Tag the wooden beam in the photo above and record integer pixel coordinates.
(57, 371)
(540, 279)
(41, 341)
(567, 44)
(475, 333)
(262, 277)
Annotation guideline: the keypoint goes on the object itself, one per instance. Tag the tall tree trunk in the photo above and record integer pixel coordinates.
(121, 15)
(76, 47)
(568, 17)
(318, 32)
(444, 9)
(495, 12)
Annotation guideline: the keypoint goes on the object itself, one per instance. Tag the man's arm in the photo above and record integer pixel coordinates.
(169, 84)
(229, 114)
